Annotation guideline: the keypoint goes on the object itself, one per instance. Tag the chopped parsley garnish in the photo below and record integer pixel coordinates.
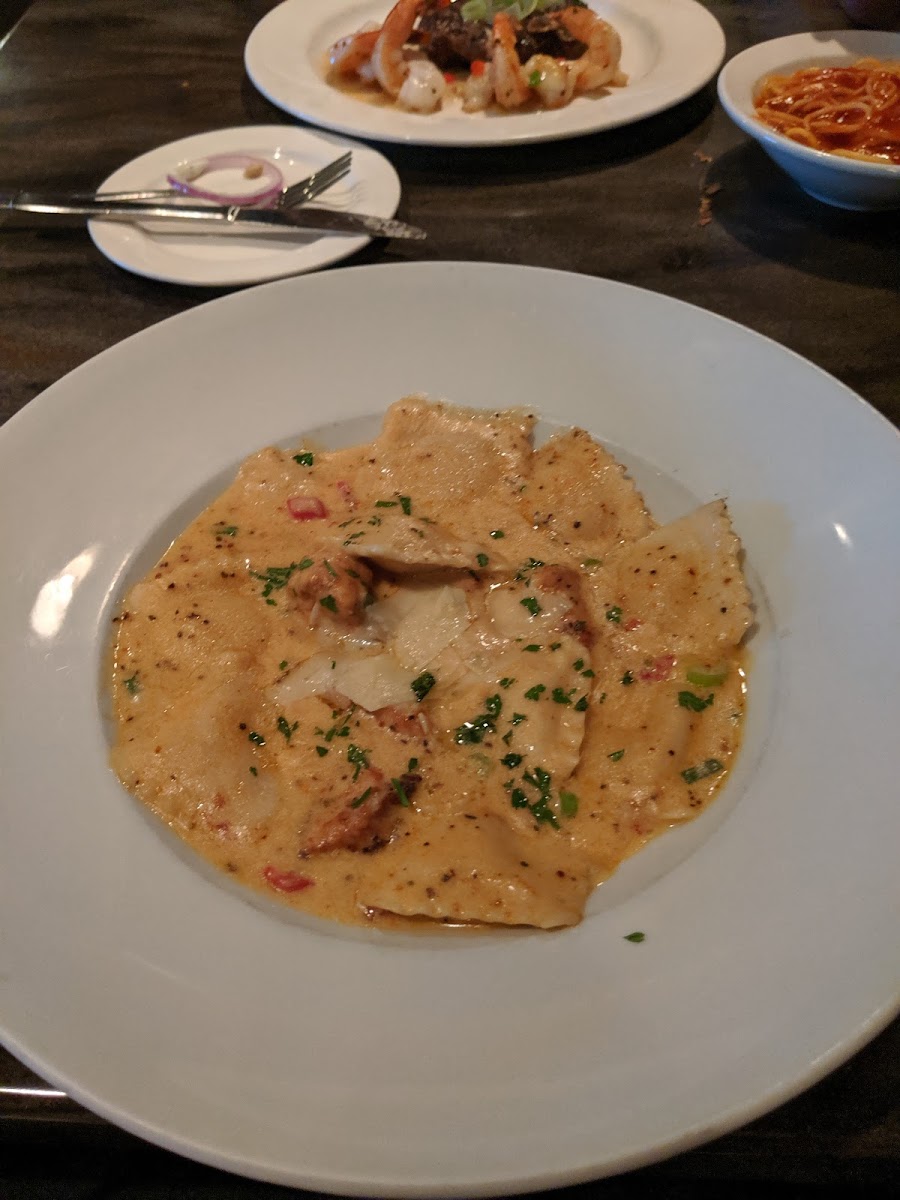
(412, 764)
(693, 702)
(321, 751)
(530, 602)
(305, 459)
(532, 648)
(614, 614)
(518, 799)
(339, 729)
(507, 682)
(286, 728)
(401, 794)
(602, 697)
(582, 704)
(534, 693)
(374, 521)
(627, 678)
(472, 733)
(578, 664)
(531, 565)
(568, 803)
(555, 645)
(132, 685)
(540, 809)
(385, 503)
(275, 578)
(539, 778)
(637, 936)
(358, 758)
(616, 755)
(361, 799)
(511, 760)
(534, 78)
(517, 718)
(222, 530)
(588, 674)
(329, 602)
(507, 737)
(482, 560)
(350, 539)
(592, 562)
(330, 569)
(711, 766)
(253, 771)
(562, 697)
(422, 685)
(497, 533)
(406, 505)
(282, 664)
(256, 738)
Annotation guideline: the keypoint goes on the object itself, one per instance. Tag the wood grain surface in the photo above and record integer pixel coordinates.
(86, 85)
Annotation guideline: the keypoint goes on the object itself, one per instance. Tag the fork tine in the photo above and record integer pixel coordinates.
(323, 178)
(309, 188)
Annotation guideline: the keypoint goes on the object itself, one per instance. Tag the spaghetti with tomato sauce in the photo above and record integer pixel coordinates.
(852, 111)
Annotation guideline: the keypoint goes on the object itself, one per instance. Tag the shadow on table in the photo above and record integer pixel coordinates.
(763, 209)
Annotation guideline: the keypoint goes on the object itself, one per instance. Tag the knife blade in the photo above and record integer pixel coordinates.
(209, 218)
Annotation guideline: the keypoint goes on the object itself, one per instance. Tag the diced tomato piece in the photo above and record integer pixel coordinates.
(286, 881)
(306, 508)
(449, 77)
(659, 669)
(478, 67)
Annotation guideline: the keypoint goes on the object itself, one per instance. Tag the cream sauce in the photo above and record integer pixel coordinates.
(442, 675)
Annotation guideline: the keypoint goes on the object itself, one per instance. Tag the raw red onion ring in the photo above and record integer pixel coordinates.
(183, 176)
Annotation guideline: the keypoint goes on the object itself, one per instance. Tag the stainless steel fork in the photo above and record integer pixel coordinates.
(307, 189)
(298, 193)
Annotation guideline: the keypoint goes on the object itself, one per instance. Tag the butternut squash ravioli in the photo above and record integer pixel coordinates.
(443, 677)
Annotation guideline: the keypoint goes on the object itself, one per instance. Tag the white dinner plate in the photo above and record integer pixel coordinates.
(302, 1052)
(670, 48)
(228, 260)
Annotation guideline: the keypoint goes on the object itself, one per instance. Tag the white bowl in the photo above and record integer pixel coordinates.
(844, 182)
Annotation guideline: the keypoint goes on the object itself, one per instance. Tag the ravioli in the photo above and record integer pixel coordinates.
(440, 678)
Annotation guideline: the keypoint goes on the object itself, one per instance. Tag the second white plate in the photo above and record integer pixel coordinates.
(670, 48)
(346, 1060)
(222, 260)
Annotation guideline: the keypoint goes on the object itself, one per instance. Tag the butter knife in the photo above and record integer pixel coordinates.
(207, 218)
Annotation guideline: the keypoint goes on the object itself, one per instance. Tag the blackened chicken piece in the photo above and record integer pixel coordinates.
(363, 819)
(449, 41)
(543, 33)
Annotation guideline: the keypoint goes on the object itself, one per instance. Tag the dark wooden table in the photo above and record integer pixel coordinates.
(85, 85)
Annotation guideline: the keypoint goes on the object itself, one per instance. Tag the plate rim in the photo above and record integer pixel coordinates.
(839, 1053)
(528, 136)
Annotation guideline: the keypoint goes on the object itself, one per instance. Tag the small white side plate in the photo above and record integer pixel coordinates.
(221, 260)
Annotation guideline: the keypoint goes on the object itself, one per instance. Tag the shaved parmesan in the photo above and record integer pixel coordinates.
(419, 623)
(373, 682)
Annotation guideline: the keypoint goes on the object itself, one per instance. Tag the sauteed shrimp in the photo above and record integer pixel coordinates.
(484, 52)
